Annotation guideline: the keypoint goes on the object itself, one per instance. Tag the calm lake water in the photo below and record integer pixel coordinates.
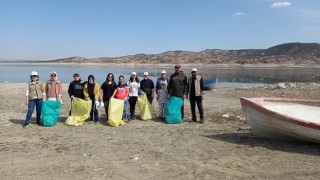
(229, 76)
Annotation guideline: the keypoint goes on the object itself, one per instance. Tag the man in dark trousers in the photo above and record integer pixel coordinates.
(195, 92)
(76, 88)
(177, 85)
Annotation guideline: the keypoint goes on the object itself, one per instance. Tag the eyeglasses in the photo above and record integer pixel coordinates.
(52, 75)
(34, 76)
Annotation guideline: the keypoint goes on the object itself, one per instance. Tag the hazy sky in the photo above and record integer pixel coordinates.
(51, 29)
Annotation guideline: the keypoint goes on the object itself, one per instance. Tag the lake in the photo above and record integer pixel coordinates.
(229, 76)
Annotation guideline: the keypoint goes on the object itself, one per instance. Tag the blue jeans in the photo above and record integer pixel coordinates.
(126, 112)
(150, 98)
(31, 105)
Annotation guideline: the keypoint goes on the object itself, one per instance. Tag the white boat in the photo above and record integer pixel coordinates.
(283, 119)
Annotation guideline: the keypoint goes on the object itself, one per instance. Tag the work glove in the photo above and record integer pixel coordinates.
(72, 97)
(101, 104)
(96, 103)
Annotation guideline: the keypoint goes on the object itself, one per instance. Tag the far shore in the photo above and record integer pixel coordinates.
(199, 65)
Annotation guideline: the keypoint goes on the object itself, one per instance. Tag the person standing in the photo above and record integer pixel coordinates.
(177, 85)
(134, 87)
(162, 99)
(35, 94)
(54, 88)
(107, 90)
(161, 79)
(122, 92)
(76, 88)
(147, 86)
(196, 95)
(91, 93)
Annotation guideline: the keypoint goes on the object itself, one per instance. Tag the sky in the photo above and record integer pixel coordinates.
(53, 29)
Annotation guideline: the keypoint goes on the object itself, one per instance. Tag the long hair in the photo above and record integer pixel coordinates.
(107, 80)
(137, 79)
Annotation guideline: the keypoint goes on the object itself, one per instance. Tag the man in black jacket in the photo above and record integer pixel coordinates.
(177, 85)
(76, 88)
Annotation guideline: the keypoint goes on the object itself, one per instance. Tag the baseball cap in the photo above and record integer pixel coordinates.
(145, 73)
(133, 73)
(193, 69)
(163, 72)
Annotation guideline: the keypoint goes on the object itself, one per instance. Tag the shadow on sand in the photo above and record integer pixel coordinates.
(277, 145)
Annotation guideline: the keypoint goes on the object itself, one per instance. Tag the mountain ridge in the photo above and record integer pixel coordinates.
(288, 53)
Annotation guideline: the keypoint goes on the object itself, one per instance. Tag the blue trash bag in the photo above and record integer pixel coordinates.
(173, 110)
(50, 112)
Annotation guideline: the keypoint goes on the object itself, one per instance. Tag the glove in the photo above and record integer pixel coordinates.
(97, 103)
(72, 97)
(101, 104)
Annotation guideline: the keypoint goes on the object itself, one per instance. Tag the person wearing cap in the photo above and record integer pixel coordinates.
(177, 85)
(147, 86)
(91, 91)
(35, 93)
(76, 88)
(195, 94)
(162, 100)
(134, 88)
(161, 79)
(54, 88)
(107, 90)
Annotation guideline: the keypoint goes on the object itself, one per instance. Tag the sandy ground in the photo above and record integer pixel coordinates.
(222, 148)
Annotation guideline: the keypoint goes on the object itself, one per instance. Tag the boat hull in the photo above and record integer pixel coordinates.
(274, 125)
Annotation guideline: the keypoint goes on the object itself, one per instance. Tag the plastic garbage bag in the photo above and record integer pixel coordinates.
(80, 112)
(173, 113)
(115, 111)
(50, 112)
(145, 108)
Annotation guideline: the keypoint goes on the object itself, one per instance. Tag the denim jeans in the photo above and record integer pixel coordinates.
(126, 112)
(94, 115)
(34, 103)
(150, 98)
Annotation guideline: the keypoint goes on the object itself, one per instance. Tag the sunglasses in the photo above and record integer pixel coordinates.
(34, 76)
(52, 75)
(193, 71)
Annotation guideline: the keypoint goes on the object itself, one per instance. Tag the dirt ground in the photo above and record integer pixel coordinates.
(222, 148)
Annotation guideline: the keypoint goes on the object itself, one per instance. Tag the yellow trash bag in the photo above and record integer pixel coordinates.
(115, 112)
(80, 112)
(145, 108)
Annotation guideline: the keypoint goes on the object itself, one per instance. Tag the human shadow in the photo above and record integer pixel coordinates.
(271, 144)
(19, 121)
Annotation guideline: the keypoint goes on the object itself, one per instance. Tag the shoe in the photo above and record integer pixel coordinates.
(201, 121)
(25, 125)
(38, 123)
(96, 122)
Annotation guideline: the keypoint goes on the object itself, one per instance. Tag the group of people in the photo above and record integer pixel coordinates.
(177, 85)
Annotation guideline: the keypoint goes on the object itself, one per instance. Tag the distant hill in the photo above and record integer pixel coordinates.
(289, 53)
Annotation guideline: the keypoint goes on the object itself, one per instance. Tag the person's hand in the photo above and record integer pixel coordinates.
(202, 97)
(27, 102)
(59, 99)
(184, 96)
(96, 103)
(143, 93)
(168, 96)
(72, 97)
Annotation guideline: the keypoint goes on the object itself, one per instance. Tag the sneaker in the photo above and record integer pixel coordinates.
(201, 121)
(38, 123)
(25, 125)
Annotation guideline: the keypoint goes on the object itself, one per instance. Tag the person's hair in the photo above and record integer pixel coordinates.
(107, 80)
(137, 79)
(119, 79)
